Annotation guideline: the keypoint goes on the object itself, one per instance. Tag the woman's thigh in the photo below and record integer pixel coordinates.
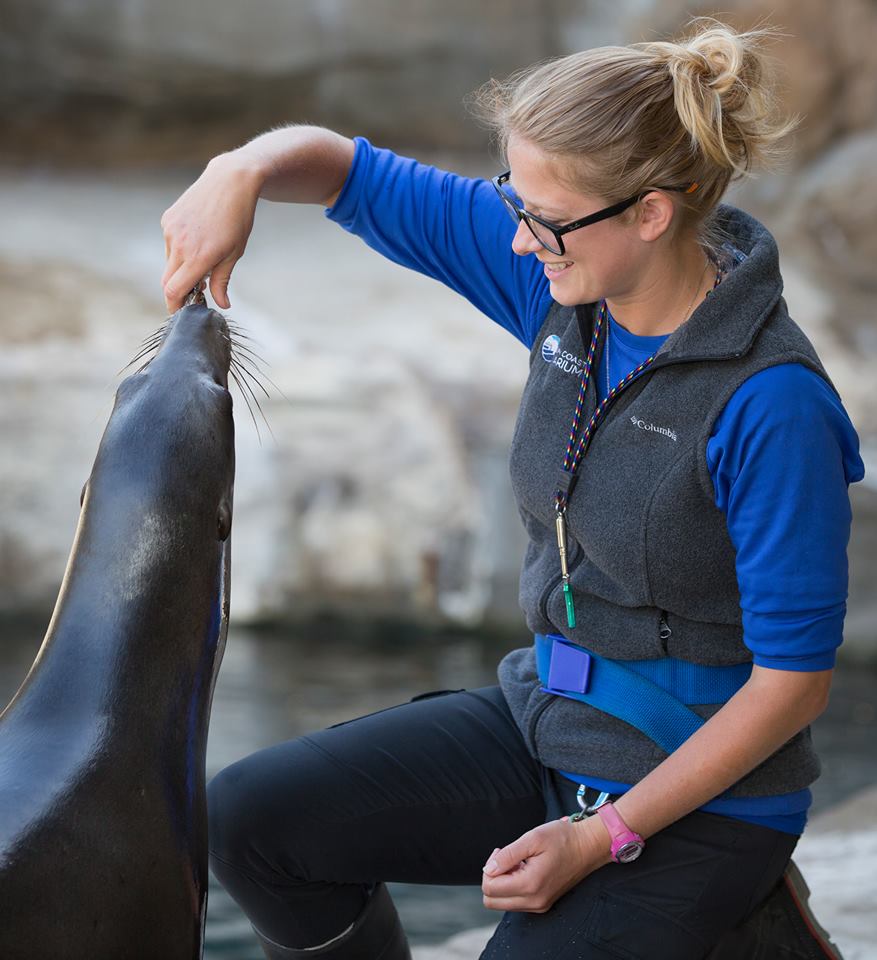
(695, 880)
(419, 793)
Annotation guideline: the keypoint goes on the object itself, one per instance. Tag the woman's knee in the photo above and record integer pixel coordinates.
(263, 810)
(230, 809)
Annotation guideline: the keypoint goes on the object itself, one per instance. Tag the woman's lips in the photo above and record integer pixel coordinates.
(554, 270)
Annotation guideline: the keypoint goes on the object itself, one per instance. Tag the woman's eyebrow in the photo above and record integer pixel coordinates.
(547, 212)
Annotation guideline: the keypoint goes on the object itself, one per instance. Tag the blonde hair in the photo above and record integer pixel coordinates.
(698, 110)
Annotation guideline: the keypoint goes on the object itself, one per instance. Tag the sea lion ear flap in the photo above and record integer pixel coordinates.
(224, 520)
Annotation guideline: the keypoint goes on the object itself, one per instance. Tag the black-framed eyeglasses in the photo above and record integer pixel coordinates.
(550, 234)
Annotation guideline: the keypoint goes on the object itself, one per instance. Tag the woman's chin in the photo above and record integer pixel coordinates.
(567, 295)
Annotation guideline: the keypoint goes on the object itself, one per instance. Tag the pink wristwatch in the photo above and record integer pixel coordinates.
(626, 845)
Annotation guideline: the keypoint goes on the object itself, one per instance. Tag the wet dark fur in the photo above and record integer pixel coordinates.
(103, 846)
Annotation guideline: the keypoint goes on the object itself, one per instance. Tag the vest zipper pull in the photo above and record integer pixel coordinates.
(560, 527)
(570, 609)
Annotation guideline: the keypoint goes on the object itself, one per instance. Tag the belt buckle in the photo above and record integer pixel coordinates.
(569, 669)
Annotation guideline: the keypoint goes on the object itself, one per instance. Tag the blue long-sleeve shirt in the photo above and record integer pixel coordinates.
(781, 453)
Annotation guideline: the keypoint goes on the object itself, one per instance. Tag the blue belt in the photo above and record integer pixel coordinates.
(652, 695)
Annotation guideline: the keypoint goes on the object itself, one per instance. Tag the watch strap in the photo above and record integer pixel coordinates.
(626, 844)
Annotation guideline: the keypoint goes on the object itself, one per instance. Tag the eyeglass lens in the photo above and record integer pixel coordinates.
(516, 212)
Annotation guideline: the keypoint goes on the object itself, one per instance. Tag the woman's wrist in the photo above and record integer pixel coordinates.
(244, 165)
(593, 841)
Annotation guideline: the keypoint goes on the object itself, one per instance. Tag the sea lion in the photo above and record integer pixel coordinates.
(103, 845)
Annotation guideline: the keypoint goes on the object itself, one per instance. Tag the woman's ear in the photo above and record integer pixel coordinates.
(656, 212)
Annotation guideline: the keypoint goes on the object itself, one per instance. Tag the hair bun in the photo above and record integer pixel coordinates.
(720, 94)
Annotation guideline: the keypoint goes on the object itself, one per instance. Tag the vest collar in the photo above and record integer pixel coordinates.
(727, 322)
(729, 319)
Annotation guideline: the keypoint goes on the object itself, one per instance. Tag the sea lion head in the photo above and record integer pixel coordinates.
(161, 485)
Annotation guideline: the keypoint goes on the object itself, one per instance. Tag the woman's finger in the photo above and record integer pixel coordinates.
(173, 264)
(522, 904)
(180, 285)
(220, 276)
(509, 857)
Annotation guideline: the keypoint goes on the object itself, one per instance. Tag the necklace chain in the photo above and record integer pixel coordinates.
(684, 316)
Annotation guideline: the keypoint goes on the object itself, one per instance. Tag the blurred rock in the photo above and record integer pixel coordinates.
(833, 210)
(57, 351)
(827, 63)
(102, 82)
(379, 484)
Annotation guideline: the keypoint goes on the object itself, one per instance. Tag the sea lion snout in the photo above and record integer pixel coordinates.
(200, 336)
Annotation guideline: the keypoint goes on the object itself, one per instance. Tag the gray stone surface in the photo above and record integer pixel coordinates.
(96, 81)
(389, 422)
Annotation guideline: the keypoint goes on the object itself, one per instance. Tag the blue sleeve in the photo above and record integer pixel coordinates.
(782, 454)
(451, 228)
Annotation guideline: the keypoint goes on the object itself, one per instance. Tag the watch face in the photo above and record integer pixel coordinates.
(630, 851)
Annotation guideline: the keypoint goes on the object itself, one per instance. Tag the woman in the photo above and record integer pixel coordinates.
(681, 462)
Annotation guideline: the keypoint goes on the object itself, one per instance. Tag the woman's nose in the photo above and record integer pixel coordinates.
(523, 241)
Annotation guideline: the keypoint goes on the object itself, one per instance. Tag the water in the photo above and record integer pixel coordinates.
(278, 684)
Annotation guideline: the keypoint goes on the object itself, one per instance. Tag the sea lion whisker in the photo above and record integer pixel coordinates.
(246, 377)
(275, 385)
(147, 345)
(246, 400)
(238, 348)
(158, 332)
(243, 348)
(243, 383)
(239, 334)
(134, 360)
(242, 366)
(157, 335)
(148, 348)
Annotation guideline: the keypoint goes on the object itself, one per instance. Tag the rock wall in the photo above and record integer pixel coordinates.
(129, 81)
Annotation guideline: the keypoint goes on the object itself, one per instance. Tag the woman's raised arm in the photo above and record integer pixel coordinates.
(207, 228)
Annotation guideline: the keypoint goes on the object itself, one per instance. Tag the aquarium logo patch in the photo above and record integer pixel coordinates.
(563, 359)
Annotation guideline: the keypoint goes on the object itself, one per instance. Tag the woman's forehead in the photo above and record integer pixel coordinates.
(537, 180)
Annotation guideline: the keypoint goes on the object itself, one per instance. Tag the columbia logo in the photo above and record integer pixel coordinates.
(650, 426)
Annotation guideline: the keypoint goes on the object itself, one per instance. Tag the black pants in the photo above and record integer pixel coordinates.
(422, 793)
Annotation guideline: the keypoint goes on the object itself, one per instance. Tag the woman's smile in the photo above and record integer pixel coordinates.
(557, 268)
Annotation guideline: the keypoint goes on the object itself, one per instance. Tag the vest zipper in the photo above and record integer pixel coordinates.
(664, 631)
(573, 562)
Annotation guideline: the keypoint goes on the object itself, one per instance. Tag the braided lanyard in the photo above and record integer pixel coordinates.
(575, 449)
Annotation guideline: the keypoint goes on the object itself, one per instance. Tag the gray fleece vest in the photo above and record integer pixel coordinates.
(651, 562)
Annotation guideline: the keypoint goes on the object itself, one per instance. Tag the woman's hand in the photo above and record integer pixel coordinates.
(206, 230)
(539, 867)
